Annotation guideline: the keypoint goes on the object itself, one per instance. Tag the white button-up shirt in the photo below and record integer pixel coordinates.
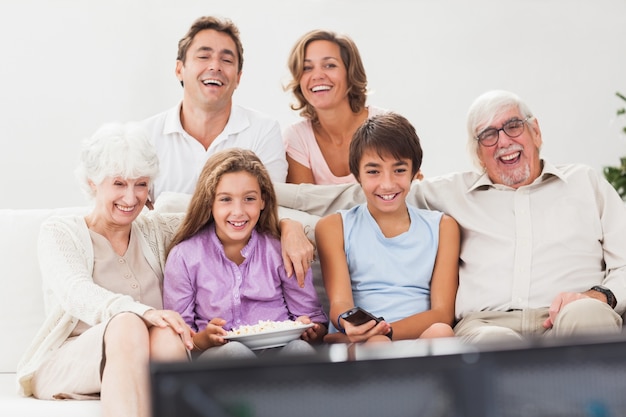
(521, 247)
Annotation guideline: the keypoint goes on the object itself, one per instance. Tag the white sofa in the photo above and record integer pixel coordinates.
(22, 310)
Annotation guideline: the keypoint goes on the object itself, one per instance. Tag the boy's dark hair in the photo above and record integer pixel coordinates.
(388, 134)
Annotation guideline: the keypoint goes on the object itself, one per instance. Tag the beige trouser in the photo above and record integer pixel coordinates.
(581, 317)
(74, 370)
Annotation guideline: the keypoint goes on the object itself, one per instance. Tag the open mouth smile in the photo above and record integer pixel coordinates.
(238, 224)
(511, 158)
(510, 155)
(388, 197)
(126, 209)
(319, 88)
(212, 81)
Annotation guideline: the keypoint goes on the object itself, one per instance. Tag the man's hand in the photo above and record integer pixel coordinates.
(561, 301)
(298, 251)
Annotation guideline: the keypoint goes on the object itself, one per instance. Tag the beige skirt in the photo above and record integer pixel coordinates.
(74, 371)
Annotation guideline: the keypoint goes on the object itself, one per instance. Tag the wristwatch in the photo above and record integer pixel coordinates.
(610, 297)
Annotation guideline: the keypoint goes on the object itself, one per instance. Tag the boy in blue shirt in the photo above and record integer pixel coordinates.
(392, 259)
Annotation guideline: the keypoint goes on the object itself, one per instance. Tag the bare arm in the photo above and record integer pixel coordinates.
(329, 238)
(298, 173)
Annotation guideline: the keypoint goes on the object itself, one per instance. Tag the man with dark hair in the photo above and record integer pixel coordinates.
(208, 66)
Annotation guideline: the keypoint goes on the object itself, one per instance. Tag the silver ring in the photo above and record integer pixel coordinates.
(311, 261)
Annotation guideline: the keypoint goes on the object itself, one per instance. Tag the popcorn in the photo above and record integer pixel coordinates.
(264, 326)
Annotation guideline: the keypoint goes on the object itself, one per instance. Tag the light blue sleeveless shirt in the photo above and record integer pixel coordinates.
(391, 276)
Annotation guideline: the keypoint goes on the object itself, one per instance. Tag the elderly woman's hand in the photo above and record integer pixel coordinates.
(165, 318)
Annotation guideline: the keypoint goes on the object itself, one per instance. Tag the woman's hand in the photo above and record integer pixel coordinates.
(298, 251)
(315, 334)
(165, 318)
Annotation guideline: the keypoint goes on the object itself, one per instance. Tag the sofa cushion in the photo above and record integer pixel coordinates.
(14, 405)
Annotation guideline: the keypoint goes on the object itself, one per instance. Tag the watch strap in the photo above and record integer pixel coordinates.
(610, 297)
(339, 326)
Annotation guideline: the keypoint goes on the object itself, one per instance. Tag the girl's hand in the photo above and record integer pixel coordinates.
(165, 318)
(212, 335)
(313, 334)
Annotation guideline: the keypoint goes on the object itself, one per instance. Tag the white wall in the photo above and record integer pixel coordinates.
(70, 65)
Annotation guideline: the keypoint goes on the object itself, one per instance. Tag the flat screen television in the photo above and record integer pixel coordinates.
(574, 377)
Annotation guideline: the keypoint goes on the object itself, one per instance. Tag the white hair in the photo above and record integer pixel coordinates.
(116, 150)
(484, 110)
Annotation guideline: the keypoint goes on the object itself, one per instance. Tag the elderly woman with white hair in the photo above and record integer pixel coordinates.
(102, 277)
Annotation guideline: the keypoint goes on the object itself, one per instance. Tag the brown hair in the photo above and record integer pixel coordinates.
(386, 134)
(209, 22)
(357, 79)
(199, 212)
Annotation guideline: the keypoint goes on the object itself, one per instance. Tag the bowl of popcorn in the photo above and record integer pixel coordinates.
(267, 333)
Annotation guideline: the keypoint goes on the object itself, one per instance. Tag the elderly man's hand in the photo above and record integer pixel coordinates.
(558, 303)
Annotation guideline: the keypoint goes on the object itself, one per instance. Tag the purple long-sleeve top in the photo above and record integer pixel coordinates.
(201, 283)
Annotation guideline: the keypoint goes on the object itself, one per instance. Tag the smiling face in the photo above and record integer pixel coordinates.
(385, 182)
(324, 80)
(118, 201)
(237, 207)
(512, 161)
(210, 72)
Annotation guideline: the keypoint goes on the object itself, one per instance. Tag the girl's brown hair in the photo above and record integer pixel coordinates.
(231, 160)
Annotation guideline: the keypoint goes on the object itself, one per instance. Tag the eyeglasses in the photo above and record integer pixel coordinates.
(512, 128)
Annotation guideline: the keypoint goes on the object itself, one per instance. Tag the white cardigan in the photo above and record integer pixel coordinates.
(66, 260)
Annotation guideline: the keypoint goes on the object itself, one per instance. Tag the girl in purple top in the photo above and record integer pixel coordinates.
(225, 268)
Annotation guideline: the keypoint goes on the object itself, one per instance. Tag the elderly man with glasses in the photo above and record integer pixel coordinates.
(543, 248)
